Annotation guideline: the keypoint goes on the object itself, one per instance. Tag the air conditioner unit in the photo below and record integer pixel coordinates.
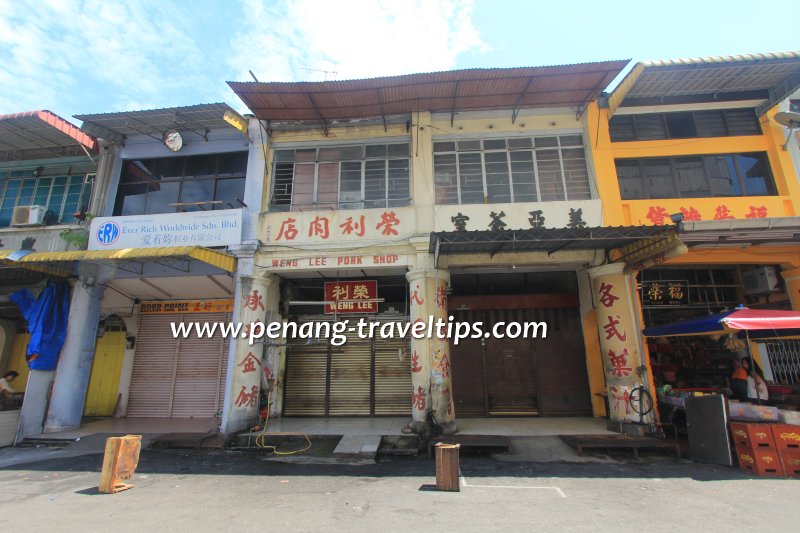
(28, 215)
(761, 280)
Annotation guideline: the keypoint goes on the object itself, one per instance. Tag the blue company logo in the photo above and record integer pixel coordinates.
(108, 233)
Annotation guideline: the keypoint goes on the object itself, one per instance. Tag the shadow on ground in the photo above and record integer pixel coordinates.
(257, 463)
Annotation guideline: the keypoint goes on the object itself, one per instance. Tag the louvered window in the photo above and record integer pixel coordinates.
(684, 125)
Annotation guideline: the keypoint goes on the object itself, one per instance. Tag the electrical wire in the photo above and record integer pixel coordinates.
(262, 444)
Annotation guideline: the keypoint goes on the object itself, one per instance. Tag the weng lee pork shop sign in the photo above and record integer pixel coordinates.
(351, 297)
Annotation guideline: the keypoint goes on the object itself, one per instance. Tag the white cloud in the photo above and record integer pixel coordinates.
(67, 54)
(293, 40)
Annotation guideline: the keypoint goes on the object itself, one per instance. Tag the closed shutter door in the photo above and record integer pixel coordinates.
(306, 378)
(153, 367)
(467, 364)
(350, 377)
(360, 378)
(198, 371)
(510, 369)
(561, 363)
(180, 378)
(392, 376)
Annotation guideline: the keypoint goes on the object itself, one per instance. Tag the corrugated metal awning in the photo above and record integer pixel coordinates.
(199, 119)
(458, 90)
(768, 78)
(65, 261)
(548, 240)
(41, 135)
(743, 232)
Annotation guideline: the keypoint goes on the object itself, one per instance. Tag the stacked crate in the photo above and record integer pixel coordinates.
(756, 449)
(787, 443)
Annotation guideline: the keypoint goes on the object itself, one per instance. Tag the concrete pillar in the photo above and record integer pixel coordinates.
(34, 408)
(618, 326)
(256, 301)
(75, 362)
(431, 381)
(792, 280)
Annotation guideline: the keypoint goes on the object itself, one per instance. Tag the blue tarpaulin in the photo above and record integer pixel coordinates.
(47, 322)
(760, 324)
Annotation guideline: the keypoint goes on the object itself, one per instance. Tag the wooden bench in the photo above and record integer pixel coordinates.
(579, 442)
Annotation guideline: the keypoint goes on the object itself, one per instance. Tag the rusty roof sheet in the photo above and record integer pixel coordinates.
(199, 118)
(40, 135)
(451, 91)
(766, 77)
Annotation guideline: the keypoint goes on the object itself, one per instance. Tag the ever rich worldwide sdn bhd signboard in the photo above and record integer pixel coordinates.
(200, 228)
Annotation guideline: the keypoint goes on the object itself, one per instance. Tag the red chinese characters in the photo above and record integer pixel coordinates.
(722, 213)
(253, 301)
(606, 298)
(691, 214)
(611, 330)
(288, 230)
(441, 297)
(245, 398)
(415, 366)
(418, 399)
(319, 227)
(444, 366)
(757, 212)
(415, 297)
(657, 215)
(351, 227)
(388, 221)
(618, 361)
(623, 399)
(249, 363)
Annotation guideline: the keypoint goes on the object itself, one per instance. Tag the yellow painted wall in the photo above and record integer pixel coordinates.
(617, 211)
(594, 364)
(101, 396)
(16, 361)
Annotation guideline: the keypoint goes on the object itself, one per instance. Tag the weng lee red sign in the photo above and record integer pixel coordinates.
(351, 297)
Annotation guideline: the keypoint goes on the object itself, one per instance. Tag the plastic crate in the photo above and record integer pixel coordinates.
(791, 463)
(764, 462)
(754, 436)
(787, 436)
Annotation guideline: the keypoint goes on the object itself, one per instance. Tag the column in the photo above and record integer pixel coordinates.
(792, 280)
(75, 362)
(256, 304)
(431, 382)
(620, 339)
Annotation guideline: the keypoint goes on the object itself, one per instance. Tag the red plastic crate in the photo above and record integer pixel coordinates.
(791, 463)
(764, 462)
(755, 436)
(787, 437)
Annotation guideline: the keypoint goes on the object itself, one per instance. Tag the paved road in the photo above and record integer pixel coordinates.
(240, 491)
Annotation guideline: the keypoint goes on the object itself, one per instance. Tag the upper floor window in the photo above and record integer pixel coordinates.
(176, 184)
(702, 176)
(520, 169)
(684, 125)
(341, 177)
(62, 196)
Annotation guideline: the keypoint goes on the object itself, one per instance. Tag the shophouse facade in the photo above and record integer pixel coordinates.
(698, 138)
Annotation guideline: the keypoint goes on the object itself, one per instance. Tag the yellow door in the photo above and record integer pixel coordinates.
(16, 361)
(101, 396)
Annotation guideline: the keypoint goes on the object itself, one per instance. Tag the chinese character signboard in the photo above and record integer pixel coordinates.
(186, 306)
(351, 297)
(201, 228)
(665, 293)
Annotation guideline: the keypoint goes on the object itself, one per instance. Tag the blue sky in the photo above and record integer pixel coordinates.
(94, 56)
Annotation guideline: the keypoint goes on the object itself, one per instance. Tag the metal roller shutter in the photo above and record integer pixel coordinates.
(180, 378)
(392, 376)
(350, 378)
(510, 369)
(469, 372)
(561, 362)
(360, 378)
(153, 367)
